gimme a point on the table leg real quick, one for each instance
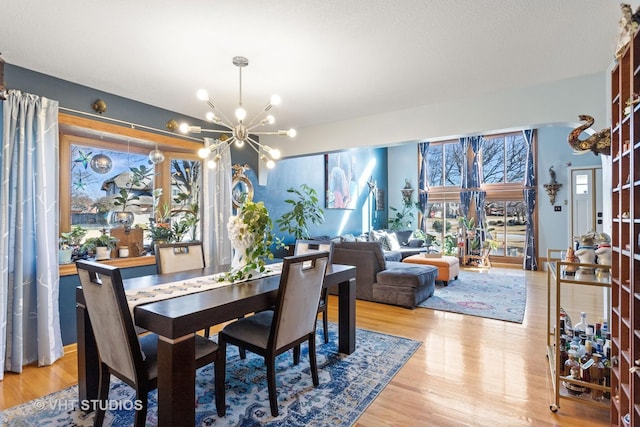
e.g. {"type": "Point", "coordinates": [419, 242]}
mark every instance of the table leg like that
{"type": "Point", "coordinates": [176, 381]}
{"type": "Point", "coordinates": [347, 317]}
{"type": "Point", "coordinates": [87, 354]}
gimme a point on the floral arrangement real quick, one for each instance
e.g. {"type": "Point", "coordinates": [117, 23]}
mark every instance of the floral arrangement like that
{"type": "Point", "coordinates": [251, 236]}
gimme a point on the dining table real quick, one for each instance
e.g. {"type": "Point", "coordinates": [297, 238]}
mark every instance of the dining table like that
{"type": "Point", "coordinates": [177, 320]}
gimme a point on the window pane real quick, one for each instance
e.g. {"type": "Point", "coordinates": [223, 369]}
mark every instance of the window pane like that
{"type": "Point", "coordinates": [104, 187]}
{"type": "Point", "coordinates": [506, 224]}
{"type": "Point", "coordinates": [493, 163]}
{"type": "Point", "coordinates": [434, 164]}
{"type": "Point", "coordinates": [453, 164]}
{"type": "Point", "coordinates": [185, 184]}
{"type": "Point", "coordinates": [516, 157]}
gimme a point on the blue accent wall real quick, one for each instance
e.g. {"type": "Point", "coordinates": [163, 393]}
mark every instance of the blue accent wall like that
{"type": "Point", "coordinates": [310, 170]}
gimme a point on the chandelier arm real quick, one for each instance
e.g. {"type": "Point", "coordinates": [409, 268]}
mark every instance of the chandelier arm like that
{"type": "Point", "coordinates": [230, 131]}
{"type": "Point", "coordinates": [259, 115]}
{"type": "Point", "coordinates": [263, 147]}
{"type": "Point", "coordinates": [223, 120]}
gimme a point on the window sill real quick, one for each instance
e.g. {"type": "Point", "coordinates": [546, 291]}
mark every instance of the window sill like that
{"type": "Point", "coordinates": [70, 269]}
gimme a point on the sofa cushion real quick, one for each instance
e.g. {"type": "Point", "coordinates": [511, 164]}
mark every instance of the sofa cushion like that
{"type": "Point", "coordinates": [348, 238]}
{"type": "Point", "coordinates": [375, 247]}
{"type": "Point", "coordinates": [415, 243]}
{"type": "Point", "coordinates": [403, 236]}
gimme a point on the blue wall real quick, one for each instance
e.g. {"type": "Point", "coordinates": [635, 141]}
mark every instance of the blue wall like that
{"type": "Point", "coordinates": [310, 170]}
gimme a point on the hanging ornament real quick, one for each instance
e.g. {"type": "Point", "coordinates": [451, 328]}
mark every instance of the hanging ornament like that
{"type": "Point", "coordinates": [156, 156]}
{"type": "Point", "coordinates": [83, 158]}
{"type": "Point", "coordinates": [101, 163]}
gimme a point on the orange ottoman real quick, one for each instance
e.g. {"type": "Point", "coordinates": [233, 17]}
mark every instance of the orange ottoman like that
{"type": "Point", "coordinates": [448, 266]}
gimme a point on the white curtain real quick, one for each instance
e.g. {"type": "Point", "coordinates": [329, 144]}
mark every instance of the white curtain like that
{"type": "Point", "coordinates": [216, 199]}
{"type": "Point", "coordinates": [29, 227]}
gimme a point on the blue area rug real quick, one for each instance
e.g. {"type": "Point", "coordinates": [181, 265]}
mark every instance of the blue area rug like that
{"type": "Point", "coordinates": [493, 294]}
{"type": "Point", "coordinates": [348, 385]}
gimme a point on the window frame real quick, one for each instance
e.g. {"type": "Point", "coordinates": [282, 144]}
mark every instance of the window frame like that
{"type": "Point", "coordinates": [75, 130]}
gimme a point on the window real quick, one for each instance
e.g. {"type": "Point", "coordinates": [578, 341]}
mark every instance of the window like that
{"type": "Point", "coordinates": [582, 184]}
{"type": "Point", "coordinates": [503, 162]}
{"type": "Point", "coordinates": [445, 164]}
{"type": "Point", "coordinates": [504, 159]}
{"type": "Point", "coordinates": [108, 180]}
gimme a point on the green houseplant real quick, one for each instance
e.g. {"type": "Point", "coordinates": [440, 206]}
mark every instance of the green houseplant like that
{"type": "Point", "coordinates": [305, 210]}
{"type": "Point", "coordinates": [104, 241]}
{"type": "Point", "coordinates": [69, 242]}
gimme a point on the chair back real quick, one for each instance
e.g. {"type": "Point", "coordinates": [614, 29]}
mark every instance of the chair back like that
{"type": "Point", "coordinates": [106, 303]}
{"type": "Point", "coordinates": [310, 246]}
{"type": "Point", "coordinates": [298, 297]}
{"type": "Point", "coordinates": [172, 257]}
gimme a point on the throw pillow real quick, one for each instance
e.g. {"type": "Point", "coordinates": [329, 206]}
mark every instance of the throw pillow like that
{"type": "Point", "coordinates": [392, 242]}
{"type": "Point", "coordinates": [348, 238]}
{"type": "Point", "coordinates": [376, 236]}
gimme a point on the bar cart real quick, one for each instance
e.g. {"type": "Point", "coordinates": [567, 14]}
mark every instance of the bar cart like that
{"type": "Point", "coordinates": [584, 292]}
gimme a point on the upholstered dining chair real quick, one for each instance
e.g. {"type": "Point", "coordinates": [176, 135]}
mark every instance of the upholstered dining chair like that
{"type": "Point", "coordinates": [291, 322]}
{"type": "Point", "coordinates": [172, 257]}
{"type": "Point", "coordinates": [309, 246]}
{"type": "Point", "coordinates": [175, 257]}
{"type": "Point", "coordinates": [124, 354]}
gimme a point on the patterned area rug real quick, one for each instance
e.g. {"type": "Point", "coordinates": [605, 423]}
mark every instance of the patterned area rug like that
{"type": "Point", "coordinates": [348, 385]}
{"type": "Point", "coordinates": [494, 294]}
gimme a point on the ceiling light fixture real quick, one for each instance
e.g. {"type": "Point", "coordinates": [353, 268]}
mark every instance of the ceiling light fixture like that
{"type": "Point", "coordinates": [242, 131]}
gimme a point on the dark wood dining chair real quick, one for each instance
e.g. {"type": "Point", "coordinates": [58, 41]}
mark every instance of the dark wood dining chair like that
{"type": "Point", "coordinates": [309, 246]}
{"type": "Point", "coordinates": [291, 322]}
{"type": "Point", "coordinates": [173, 257]}
{"type": "Point", "coordinates": [124, 354]}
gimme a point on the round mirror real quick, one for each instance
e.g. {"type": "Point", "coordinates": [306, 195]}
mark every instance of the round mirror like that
{"type": "Point", "coordinates": [241, 187]}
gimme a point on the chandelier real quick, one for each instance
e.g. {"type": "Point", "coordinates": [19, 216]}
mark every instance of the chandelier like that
{"type": "Point", "coordinates": [241, 132]}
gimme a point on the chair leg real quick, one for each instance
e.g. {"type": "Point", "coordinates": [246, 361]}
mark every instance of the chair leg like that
{"type": "Point", "coordinates": [271, 385]}
{"type": "Point", "coordinates": [243, 353]}
{"type": "Point", "coordinates": [312, 359]}
{"type": "Point", "coordinates": [207, 332]}
{"type": "Point", "coordinates": [103, 395]}
{"type": "Point", "coordinates": [141, 414]}
{"type": "Point", "coordinates": [296, 354]}
{"type": "Point", "coordinates": [220, 367]}
{"type": "Point", "coordinates": [325, 326]}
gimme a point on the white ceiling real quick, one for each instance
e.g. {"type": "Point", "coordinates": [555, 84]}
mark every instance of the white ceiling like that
{"type": "Point", "coordinates": [329, 60]}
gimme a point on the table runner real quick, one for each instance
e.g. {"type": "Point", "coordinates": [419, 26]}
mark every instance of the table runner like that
{"type": "Point", "coordinates": [178, 288]}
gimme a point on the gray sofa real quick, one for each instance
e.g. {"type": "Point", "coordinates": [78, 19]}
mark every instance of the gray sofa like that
{"type": "Point", "coordinates": [380, 280]}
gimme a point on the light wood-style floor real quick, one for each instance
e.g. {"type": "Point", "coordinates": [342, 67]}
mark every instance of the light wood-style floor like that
{"type": "Point", "coordinates": [469, 370]}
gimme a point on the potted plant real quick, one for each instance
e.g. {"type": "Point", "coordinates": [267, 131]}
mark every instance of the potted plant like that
{"type": "Point", "coordinates": [70, 243]}
{"type": "Point", "coordinates": [305, 210]}
{"type": "Point", "coordinates": [64, 250]}
{"type": "Point", "coordinates": [100, 246]}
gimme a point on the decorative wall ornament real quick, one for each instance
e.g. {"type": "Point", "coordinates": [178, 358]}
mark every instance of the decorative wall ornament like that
{"type": "Point", "coordinates": [552, 187]}
{"type": "Point", "coordinates": [598, 143]}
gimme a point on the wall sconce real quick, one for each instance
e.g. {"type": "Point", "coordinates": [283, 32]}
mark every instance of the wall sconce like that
{"type": "Point", "coordinates": [552, 187]}
{"type": "Point", "coordinates": [99, 106]}
{"type": "Point", "coordinates": [172, 125]}
{"type": "Point", "coordinates": [407, 193]}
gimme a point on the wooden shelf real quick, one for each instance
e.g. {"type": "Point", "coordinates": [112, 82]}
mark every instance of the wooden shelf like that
{"type": "Point", "coordinates": [625, 292]}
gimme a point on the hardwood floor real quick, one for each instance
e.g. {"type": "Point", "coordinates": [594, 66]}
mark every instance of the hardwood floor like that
{"type": "Point", "coordinates": [469, 371]}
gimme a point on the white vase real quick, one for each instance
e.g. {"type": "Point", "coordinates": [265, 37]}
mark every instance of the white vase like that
{"type": "Point", "coordinates": [102, 252]}
{"type": "Point", "coordinates": [239, 259]}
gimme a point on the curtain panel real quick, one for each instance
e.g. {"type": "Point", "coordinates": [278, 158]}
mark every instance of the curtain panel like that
{"type": "Point", "coordinates": [29, 227]}
{"type": "Point", "coordinates": [423, 184]}
{"type": "Point", "coordinates": [530, 261]}
{"type": "Point", "coordinates": [216, 195]}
